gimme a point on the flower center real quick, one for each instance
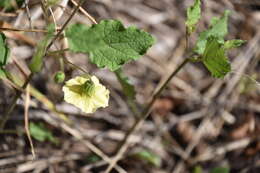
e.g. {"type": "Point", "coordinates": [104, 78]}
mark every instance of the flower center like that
{"type": "Point", "coordinates": [88, 87]}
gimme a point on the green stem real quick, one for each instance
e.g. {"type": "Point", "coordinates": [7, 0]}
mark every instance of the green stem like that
{"type": "Point", "coordinates": [64, 59]}
{"type": "Point", "coordinates": [50, 53]}
{"type": "Point", "coordinates": [61, 64]}
{"type": "Point", "coordinates": [187, 40]}
{"type": "Point", "coordinates": [133, 106]}
{"type": "Point", "coordinates": [146, 112]}
{"type": "Point", "coordinates": [130, 96]}
{"type": "Point", "coordinates": [74, 65]}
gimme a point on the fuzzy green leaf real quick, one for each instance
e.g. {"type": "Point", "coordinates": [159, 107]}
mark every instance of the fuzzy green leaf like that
{"type": "Point", "coordinates": [218, 28]}
{"type": "Point", "coordinates": [193, 16]}
{"type": "Point", "coordinates": [214, 58]}
{"type": "Point", "coordinates": [41, 133]}
{"type": "Point", "coordinates": [128, 88]}
{"type": "Point", "coordinates": [4, 50]}
{"type": "Point", "coordinates": [233, 44]}
{"type": "Point", "coordinates": [37, 60]}
{"type": "Point", "coordinates": [109, 43]}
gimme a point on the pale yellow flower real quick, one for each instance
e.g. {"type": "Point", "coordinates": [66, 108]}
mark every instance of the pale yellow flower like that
{"type": "Point", "coordinates": [86, 93]}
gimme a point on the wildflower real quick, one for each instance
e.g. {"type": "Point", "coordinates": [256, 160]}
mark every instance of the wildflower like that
{"type": "Point", "coordinates": [86, 93]}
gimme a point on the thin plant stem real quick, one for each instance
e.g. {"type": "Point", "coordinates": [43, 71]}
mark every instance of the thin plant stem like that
{"type": "Point", "coordinates": [85, 12]}
{"type": "Point", "coordinates": [65, 60]}
{"type": "Point", "coordinates": [130, 100]}
{"type": "Point", "coordinates": [57, 51]}
{"type": "Point", "coordinates": [74, 65]}
{"type": "Point", "coordinates": [44, 11]}
{"type": "Point", "coordinates": [61, 64]}
{"type": "Point", "coordinates": [133, 106]}
{"type": "Point", "coordinates": [22, 30]}
{"type": "Point", "coordinates": [65, 24]}
{"type": "Point", "coordinates": [26, 2]}
{"type": "Point", "coordinates": [12, 84]}
{"type": "Point", "coordinates": [146, 112]}
{"type": "Point", "coordinates": [19, 66]}
{"type": "Point", "coordinates": [187, 40]}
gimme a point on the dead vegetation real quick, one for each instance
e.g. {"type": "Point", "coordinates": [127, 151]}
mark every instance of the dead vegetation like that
{"type": "Point", "coordinates": [197, 120]}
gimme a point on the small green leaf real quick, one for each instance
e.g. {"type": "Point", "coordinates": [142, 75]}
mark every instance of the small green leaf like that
{"type": "Point", "coordinates": [148, 156]}
{"type": "Point", "coordinates": [218, 29]}
{"type": "Point", "coordinates": [37, 60]}
{"type": "Point", "coordinates": [214, 58]}
{"type": "Point", "coordinates": [197, 169]}
{"type": "Point", "coordinates": [109, 43]}
{"type": "Point", "coordinates": [59, 77]}
{"type": "Point", "coordinates": [220, 170]}
{"type": "Point", "coordinates": [233, 44]}
{"type": "Point", "coordinates": [193, 16]}
{"type": "Point", "coordinates": [128, 88]}
{"type": "Point", "coordinates": [4, 50]}
{"type": "Point", "coordinates": [41, 133]}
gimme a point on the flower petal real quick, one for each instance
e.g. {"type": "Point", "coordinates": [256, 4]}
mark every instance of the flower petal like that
{"type": "Point", "coordinates": [87, 103]}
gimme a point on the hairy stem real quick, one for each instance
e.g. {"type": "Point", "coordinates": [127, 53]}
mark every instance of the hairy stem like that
{"type": "Point", "coordinates": [146, 112]}
{"type": "Point", "coordinates": [57, 52]}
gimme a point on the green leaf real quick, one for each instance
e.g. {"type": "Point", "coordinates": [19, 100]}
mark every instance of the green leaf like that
{"type": "Point", "coordinates": [220, 170]}
{"type": "Point", "coordinates": [193, 16]}
{"type": "Point", "coordinates": [41, 133]}
{"type": "Point", "coordinates": [148, 156]}
{"type": "Point", "coordinates": [109, 43]}
{"type": "Point", "coordinates": [37, 60]}
{"type": "Point", "coordinates": [218, 28]}
{"type": "Point", "coordinates": [233, 44]}
{"type": "Point", "coordinates": [4, 50]}
{"type": "Point", "coordinates": [214, 58]}
{"type": "Point", "coordinates": [197, 169]}
{"type": "Point", "coordinates": [128, 88]}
